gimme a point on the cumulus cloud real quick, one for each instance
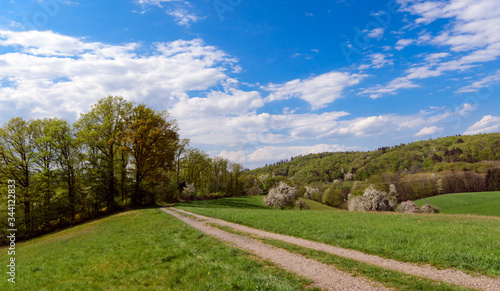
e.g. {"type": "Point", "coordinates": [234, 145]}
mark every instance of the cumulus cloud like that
{"type": "Point", "coordinates": [487, 124]}
{"type": "Point", "coordinates": [429, 131]}
{"type": "Point", "coordinates": [276, 153]}
{"type": "Point", "coordinates": [318, 91]}
{"type": "Point", "coordinates": [50, 72]}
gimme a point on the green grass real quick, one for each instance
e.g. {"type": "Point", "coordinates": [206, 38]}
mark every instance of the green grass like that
{"type": "Point", "coordinates": [318, 206]}
{"type": "Point", "coordinates": [471, 244]}
{"type": "Point", "coordinates": [481, 203]}
{"type": "Point", "coordinates": [388, 278]}
{"type": "Point", "coordinates": [138, 250]}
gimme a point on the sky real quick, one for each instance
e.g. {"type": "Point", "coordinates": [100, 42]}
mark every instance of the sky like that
{"type": "Point", "coordinates": [261, 81]}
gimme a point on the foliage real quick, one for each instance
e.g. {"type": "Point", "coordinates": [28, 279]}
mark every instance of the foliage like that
{"type": "Point", "coordinates": [302, 205]}
{"type": "Point", "coordinates": [333, 197]}
{"type": "Point", "coordinates": [427, 208]}
{"type": "Point", "coordinates": [282, 196]}
{"type": "Point", "coordinates": [408, 207]}
{"type": "Point", "coordinates": [371, 200]}
{"type": "Point", "coordinates": [493, 180]}
{"type": "Point", "coordinates": [473, 153]}
{"type": "Point", "coordinates": [117, 155]}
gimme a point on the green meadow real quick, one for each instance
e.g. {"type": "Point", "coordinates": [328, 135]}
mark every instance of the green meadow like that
{"type": "Point", "coordinates": [139, 250]}
{"type": "Point", "coordinates": [479, 203]}
{"type": "Point", "coordinates": [467, 243]}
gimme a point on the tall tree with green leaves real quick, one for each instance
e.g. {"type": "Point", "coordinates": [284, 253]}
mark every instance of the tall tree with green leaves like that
{"type": "Point", "coordinates": [152, 141]}
{"type": "Point", "coordinates": [98, 130]}
{"type": "Point", "coordinates": [18, 158]}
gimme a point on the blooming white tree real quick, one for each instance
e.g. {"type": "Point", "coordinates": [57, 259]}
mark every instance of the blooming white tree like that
{"type": "Point", "coordinates": [282, 196]}
{"type": "Point", "coordinates": [371, 200]}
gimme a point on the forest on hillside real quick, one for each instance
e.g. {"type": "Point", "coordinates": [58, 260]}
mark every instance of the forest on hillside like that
{"type": "Point", "coordinates": [417, 170]}
{"type": "Point", "coordinates": [116, 156]}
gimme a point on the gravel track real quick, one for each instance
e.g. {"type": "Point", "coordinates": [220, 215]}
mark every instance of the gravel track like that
{"type": "Point", "coordinates": [446, 275]}
{"type": "Point", "coordinates": [323, 275]}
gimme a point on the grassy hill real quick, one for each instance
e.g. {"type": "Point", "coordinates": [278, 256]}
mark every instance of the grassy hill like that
{"type": "Point", "coordinates": [482, 203]}
{"type": "Point", "coordinates": [137, 250]}
{"type": "Point", "coordinates": [477, 152]}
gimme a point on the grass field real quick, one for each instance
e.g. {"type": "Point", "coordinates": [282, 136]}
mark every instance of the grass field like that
{"type": "Point", "coordinates": [481, 203]}
{"type": "Point", "coordinates": [467, 243]}
{"type": "Point", "coordinates": [138, 250]}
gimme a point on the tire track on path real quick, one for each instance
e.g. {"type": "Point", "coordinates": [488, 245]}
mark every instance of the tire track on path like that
{"type": "Point", "coordinates": [446, 275]}
{"type": "Point", "coordinates": [323, 275]}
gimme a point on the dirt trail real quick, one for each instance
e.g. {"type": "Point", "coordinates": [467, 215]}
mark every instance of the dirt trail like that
{"type": "Point", "coordinates": [323, 275]}
{"type": "Point", "coordinates": [445, 275]}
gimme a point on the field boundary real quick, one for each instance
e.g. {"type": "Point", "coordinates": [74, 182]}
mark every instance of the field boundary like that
{"type": "Point", "coordinates": [446, 275]}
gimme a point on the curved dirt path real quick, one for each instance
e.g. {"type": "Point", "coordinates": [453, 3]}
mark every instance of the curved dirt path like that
{"type": "Point", "coordinates": [323, 275]}
{"type": "Point", "coordinates": [445, 275]}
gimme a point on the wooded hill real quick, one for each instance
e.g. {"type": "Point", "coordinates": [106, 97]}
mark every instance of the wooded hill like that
{"type": "Point", "coordinates": [476, 153]}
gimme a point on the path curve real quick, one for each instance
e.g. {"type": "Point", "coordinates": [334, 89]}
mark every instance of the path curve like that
{"type": "Point", "coordinates": [323, 275]}
{"type": "Point", "coordinates": [446, 275]}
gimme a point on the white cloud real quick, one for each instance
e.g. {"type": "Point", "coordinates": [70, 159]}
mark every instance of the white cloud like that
{"type": "Point", "coordinates": [60, 74]}
{"type": "Point", "coordinates": [378, 60]}
{"type": "Point", "coordinates": [153, 2]}
{"type": "Point", "coordinates": [183, 17]}
{"type": "Point", "coordinates": [486, 81]}
{"type": "Point", "coordinates": [233, 102]}
{"type": "Point", "coordinates": [487, 124]}
{"type": "Point", "coordinates": [375, 33]}
{"type": "Point", "coordinates": [402, 43]}
{"type": "Point", "coordinates": [318, 91]}
{"type": "Point", "coordinates": [389, 88]}
{"type": "Point", "coordinates": [276, 153]}
{"type": "Point", "coordinates": [429, 131]}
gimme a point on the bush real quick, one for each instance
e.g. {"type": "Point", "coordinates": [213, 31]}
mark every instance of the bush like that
{"type": "Point", "coordinates": [372, 200]}
{"type": "Point", "coordinates": [188, 192]}
{"type": "Point", "coordinates": [429, 208]}
{"type": "Point", "coordinates": [333, 197]}
{"type": "Point", "coordinates": [282, 196]}
{"type": "Point", "coordinates": [408, 207]}
{"type": "Point", "coordinates": [254, 190]}
{"type": "Point", "coordinates": [302, 205]}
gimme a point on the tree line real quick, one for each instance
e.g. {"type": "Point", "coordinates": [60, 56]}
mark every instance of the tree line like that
{"type": "Point", "coordinates": [117, 155]}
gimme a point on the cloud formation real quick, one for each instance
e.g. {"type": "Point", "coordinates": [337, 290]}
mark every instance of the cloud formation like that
{"type": "Point", "coordinates": [318, 91]}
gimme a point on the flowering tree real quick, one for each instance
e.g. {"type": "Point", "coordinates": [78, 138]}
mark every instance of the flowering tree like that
{"type": "Point", "coordinates": [282, 196]}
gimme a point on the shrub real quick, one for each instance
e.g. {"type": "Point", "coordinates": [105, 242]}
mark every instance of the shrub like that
{"type": "Point", "coordinates": [429, 208]}
{"type": "Point", "coordinates": [254, 190]}
{"type": "Point", "coordinates": [371, 200]}
{"type": "Point", "coordinates": [408, 207]}
{"type": "Point", "coordinates": [282, 196]}
{"type": "Point", "coordinates": [332, 197]}
{"type": "Point", "coordinates": [302, 205]}
{"type": "Point", "coordinates": [189, 191]}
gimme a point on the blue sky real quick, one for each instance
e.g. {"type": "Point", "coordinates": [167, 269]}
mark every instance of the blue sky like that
{"type": "Point", "coordinates": [259, 81]}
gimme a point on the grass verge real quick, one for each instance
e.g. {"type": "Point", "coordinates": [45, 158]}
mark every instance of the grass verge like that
{"type": "Point", "coordinates": [471, 244]}
{"type": "Point", "coordinates": [140, 250]}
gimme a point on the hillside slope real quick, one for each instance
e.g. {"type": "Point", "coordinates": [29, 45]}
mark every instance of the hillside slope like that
{"type": "Point", "coordinates": [137, 250]}
{"type": "Point", "coordinates": [481, 203]}
{"type": "Point", "coordinates": [463, 153]}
